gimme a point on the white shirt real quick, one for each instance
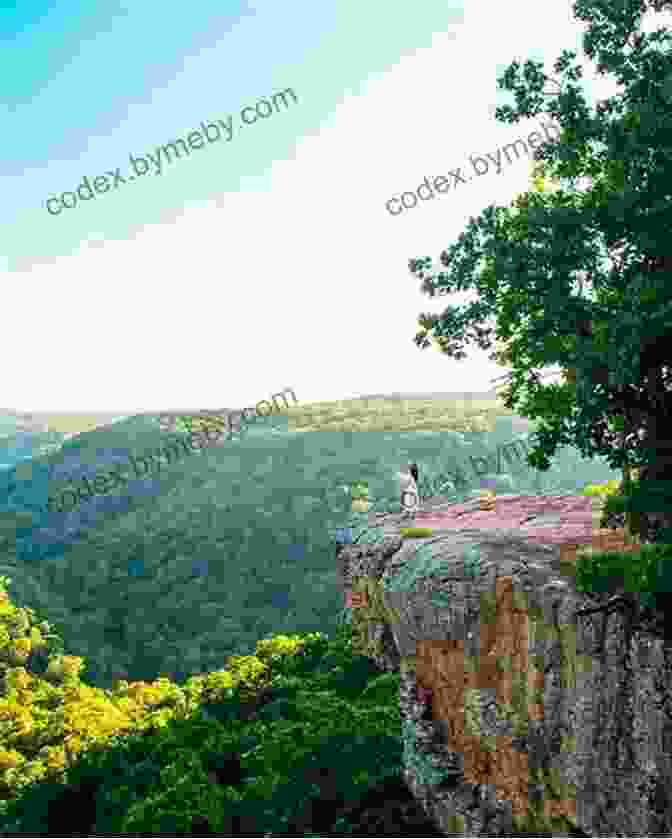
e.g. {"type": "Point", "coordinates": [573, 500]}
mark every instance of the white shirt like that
{"type": "Point", "coordinates": [408, 492]}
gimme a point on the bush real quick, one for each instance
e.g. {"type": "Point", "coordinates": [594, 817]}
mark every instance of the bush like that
{"type": "Point", "coordinates": [606, 490]}
{"type": "Point", "coordinates": [633, 499]}
{"type": "Point", "coordinates": [415, 532]}
{"type": "Point", "coordinates": [383, 690]}
{"type": "Point", "coordinates": [647, 572]}
{"type": "Point", "coordinates": [624, 500]}
{"type": "Point", "coordinates": [648, 496]}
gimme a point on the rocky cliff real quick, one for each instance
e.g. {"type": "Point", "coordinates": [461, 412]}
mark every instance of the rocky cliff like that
{"type": "Point", "coordinates": [528, 707]}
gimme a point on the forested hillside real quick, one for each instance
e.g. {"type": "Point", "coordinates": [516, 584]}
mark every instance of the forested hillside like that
{"type": "Point", "coordinates": [204, 556]}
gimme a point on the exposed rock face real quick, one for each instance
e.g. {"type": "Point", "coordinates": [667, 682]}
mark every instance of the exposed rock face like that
{"type": "Point", "coordinates": [525, 711]}
{"type": "Point", "coordinates": [359, 569]}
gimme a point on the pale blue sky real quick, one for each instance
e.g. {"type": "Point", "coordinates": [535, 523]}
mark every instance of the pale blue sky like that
{"type": "Point", "coordinates": [268, 261]}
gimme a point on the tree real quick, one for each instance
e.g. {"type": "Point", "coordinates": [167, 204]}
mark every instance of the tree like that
{"type": "Point", "coordinates": [582, 276]}
{"type": "Point", "coordinates": [542, 183]}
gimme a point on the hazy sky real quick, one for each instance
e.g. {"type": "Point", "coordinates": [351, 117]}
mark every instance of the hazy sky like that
{"type": "Point", "coordinates": [266, 261]}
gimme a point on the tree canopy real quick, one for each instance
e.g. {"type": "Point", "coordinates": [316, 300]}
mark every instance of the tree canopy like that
{"type": "Point", "coordinates": [580, 276]}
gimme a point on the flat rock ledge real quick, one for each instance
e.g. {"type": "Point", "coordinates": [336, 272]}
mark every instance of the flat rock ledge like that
{"type": "Point", "coordinates": [528, 708]}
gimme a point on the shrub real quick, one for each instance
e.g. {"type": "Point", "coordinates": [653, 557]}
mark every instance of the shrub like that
{"type": "Point", "coordinates": [278, 646]}
{"type": "Point", "coordinates": [383, 690]}
{"type": "Point", "coordinates": [633, 499]}
{"type": "Point", "coordinates": [647, 572]}
{"type": "Point", "coordinates": [623, 500]}
{"type": "Point", "coordinates": [415, 532]}
{"type": "Point", "coordinates": [648, 496]}
{"type": "Point", "coordinates": [606, 490]}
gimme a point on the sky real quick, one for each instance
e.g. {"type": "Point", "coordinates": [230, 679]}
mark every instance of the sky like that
{"type": "Point", "coordinates": [263, 261]}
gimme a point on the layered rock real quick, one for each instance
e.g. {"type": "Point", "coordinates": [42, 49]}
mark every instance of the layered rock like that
{"type": "Point", "coordinates": [526, 705]}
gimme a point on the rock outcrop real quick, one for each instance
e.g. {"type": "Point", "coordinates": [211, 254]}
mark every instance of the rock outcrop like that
{"type": "Point", "coordinates": [527, 706]}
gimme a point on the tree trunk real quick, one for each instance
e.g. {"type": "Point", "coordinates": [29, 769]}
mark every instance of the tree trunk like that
{"type": "Point", "coordinates": [652, 522]}
{"type": "Point", "coordinates": [658, 465]}
{"type": "Point", "coordinates": [654, 412]}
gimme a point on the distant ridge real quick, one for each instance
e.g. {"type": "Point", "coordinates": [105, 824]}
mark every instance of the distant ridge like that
{"type": "Point", "coordinates": [65, 423]}
{"type": "Point", "coordinates": [464, 397]}
{"type": "Point", "coordinates": [24, 421]}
